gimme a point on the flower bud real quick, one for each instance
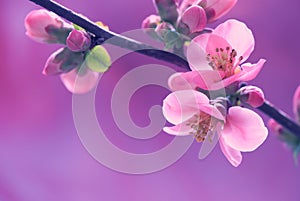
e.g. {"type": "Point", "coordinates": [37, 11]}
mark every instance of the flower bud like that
{"type": "Point", "coordinates": [296, 104]}
{"type": "Point", "coordinates": [78, 40]}
{"type": "Point", "coordinates": [192, 20]}
{"type": "Point", "coordinates": [252, 95]}
{"type": "Point", "coordinates": [151, 22]}
{"type": "Point", "coordinates": [62, 60]}
{"type": "Point", "coordinates": [46, 27]}
{"type": "Point", "coordinates": [167, 10]}
{"type": "Point", "coordinates": [275, 127]}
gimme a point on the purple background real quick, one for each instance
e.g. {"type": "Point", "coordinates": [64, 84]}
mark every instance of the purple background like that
{"type": "Point", "coordinates": [42, 158]}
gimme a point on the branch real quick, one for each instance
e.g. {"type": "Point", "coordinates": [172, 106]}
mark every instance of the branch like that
{"type": "Point", "coordinates": [118, 40]}
{"type": "Point", "coordinates": [131, 44]}
{"type": "Point", "coordinates": [279, 116]}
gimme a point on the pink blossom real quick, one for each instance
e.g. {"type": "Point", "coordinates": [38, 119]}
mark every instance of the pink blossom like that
{"type": "Point", "coordinates": [40, 25]}
{"type": "Point", "coordinates": [188, 110]}
{"type": "Point", "coordinates": [78, 40]}
{"type": "Point", "coordinates": [80, 82]}
{"type": "Point", "coordinates": [215, 59]}
{"type": "Point", "coordinates": [191, 112]}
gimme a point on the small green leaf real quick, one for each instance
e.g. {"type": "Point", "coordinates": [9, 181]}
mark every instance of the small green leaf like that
{"type": "Point", "coordinates": [98, 59]}
{"type": "Point", "coordinates": [77, 27]}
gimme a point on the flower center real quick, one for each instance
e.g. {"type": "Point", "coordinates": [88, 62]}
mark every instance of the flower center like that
{"type": "Point", "coordinates": [225, 61]}
{"type": "Point", "coordinates": [201, 125]}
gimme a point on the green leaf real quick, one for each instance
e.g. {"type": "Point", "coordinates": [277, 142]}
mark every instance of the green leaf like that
{"type": "Point", "coordinates": [77, 27]}
{"type": "Point", "coordinates": [98, 59]}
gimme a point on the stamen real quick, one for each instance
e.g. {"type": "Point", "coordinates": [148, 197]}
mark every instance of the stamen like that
{"type": "Point", "coordinates": [224, 61]}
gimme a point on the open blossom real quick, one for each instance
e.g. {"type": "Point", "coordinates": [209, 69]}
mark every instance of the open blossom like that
{"type": "Point", "coordinates": [46, 27]}
{"type": "Point", "coordinates": [216, 59]}
{"type": "Point", "coordinates": [192, 113]}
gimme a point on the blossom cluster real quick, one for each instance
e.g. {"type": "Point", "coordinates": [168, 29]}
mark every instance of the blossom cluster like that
{"type": "Point", "coordinates": [79, 62]}
{"type": "Point", "coordinates": [211, 102]}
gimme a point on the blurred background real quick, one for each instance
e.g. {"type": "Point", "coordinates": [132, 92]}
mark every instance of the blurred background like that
{"type": "Point", "coordinates": [42, 158]}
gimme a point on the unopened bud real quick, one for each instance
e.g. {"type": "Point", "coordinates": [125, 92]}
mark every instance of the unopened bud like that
{"type": "Point", "coordinates": [46, 27]}
{"type": "Point", "coordinates": [62, 60]}
{"type": "Point", "coordinates": [78, 41]}
{"type": "Point", "coordinates": [193, 20]}
{"type": "Point", "coordinates": [252, 95]}
{"type": "Point", "coordinates": [296, 104]}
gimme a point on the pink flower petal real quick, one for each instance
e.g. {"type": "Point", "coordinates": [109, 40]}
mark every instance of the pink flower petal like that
{"type": "Point", "coordinates": [207, 80]}
{"type": "Point", "coordinates": [244, 129]}
{"type": "Point", "coordinates": [250, 71]}
{"type": "Point", "coordinates": [215, 42]}
{"type": "Point", "coordinates": [196, 53]}
{"type": "Point", "coordinates": [181, 129]}
{"type": "Point", "coordinates": [233, 156]}
{"type": "Point", "coordinates": [296, 104]}
{"type": "Point", "coordinates": [238, 35]}
{"type": "Point", "coordinates": [80, 83]}
{"type": "Point", "coordinates": [219, 8]}
{"type": "Point", "coordinates": [180, 106]}
{"type": "Point", "coordinates": [195, 18]}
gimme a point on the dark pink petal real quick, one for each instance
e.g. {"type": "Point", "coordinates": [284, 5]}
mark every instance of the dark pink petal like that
{"type": "Point", "coordinates": [78, 41]}
{"type": "Point", "coordinates": [252, 95]}
{"type": "Point", "coordinates": [296, 104]}
{"type": "Point", "coordinates": [218, 8]}
{"type": "Point", "coordinates": [80, 83]}
{"type": "Point", "coordinates": [207, 80]}
{"type": "Point", "coordinates": [53, 65]}
{"type": "Point", "coordinates": [238, 35]}
{"type": "Point", "coordinates": [195, 18]}
{"type": "Point", "coordinates": [233, 156]}
{"type": "Point", "coordinates": [244, 129]}
{"type": "Point", "coordinates": [187, 3]}
{"type": "Point", "coordinates": [180, 106]}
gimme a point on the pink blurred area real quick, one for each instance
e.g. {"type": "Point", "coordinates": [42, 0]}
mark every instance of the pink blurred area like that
{"type": "Point", "coordinates": [42, 158]}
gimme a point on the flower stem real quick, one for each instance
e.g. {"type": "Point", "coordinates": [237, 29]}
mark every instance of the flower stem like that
{"type": "Point", "coordinates": [124, 42]}
{"type": "Point", "coordinates": [279, 116]}
{"type": "Point", "coordinates": [117, 39]}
